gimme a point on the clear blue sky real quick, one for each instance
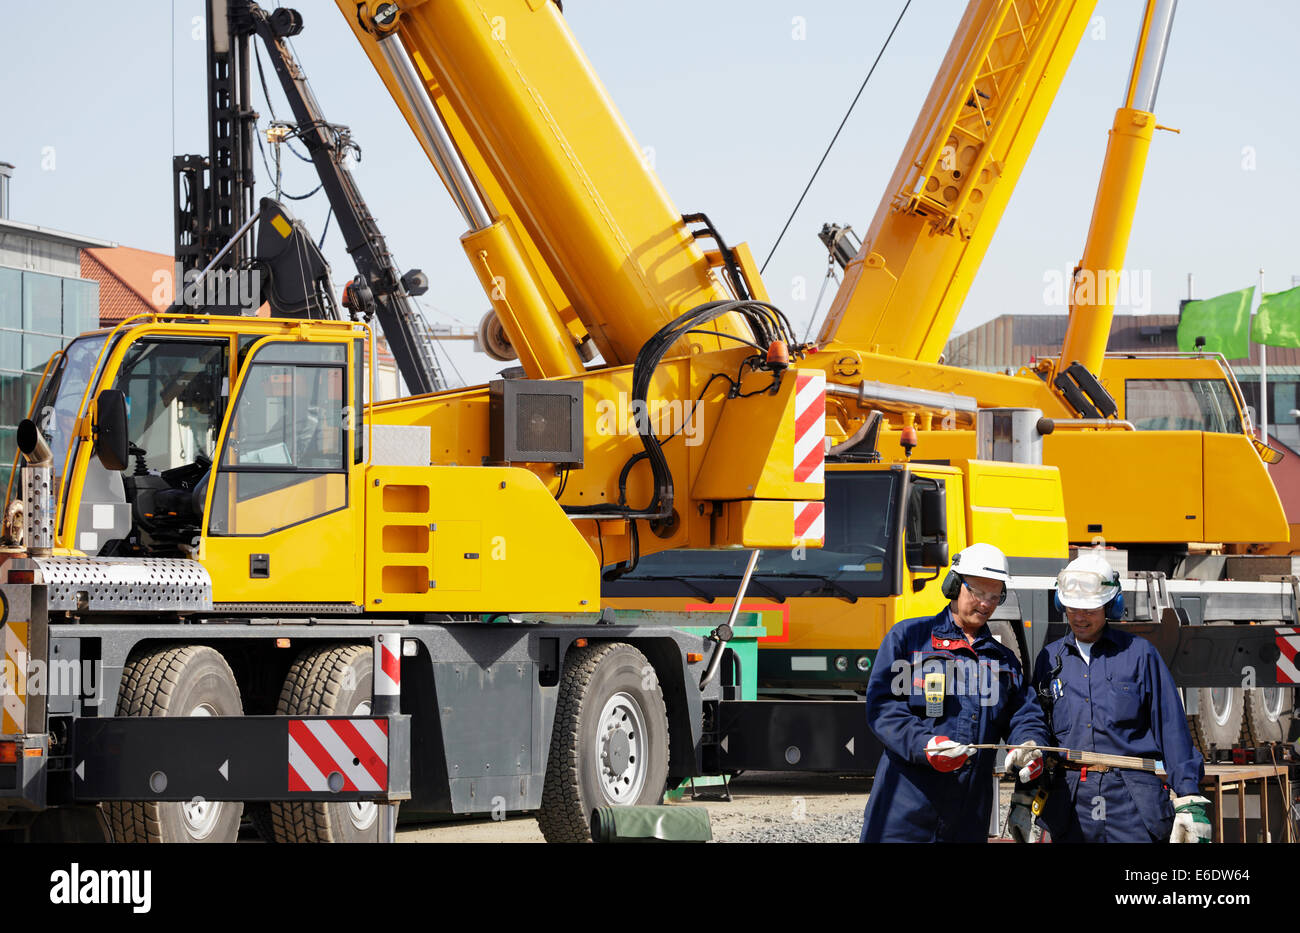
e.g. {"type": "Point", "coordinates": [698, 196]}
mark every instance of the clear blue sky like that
{"type": "Point", "coordinates": [737, 110]}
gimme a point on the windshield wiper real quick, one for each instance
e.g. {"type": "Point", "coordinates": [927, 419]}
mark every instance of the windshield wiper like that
{"type": "Point", "coordinates": [698, 591]}
{"type": "Point", "coordinates": [830, 584]}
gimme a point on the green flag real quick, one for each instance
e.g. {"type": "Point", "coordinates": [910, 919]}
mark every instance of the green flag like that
{"type": "Point", "coordinates": [1224, 323]}
{"type": "Point", "coordinates": [1278, 321]}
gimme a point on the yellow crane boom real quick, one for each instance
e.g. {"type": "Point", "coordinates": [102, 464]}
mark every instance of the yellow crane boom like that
{"type": "Point", "coordinates": [902, 292]}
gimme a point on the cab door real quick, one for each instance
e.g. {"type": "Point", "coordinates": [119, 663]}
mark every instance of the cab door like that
{"type": "Point", "coordinates": [284, 506]}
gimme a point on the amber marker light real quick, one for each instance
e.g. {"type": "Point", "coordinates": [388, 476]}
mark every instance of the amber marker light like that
{"type": "Point", "coordinates": [580, 643]}
{"type": "Point", "coordinates": [907, 440]}
{"type": "Point", "coordinates": [693, 657]}
{"type": "Point", "coordinates": [778, 355]}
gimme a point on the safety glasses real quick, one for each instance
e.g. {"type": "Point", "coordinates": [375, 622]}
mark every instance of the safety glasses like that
{"type": "Point", "coordinates": [981, 595]}
{"type": "Point", "coordinates": [1083, 584]}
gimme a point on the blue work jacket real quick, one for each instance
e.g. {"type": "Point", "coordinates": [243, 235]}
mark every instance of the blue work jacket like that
{"type": "Point", "coordinates": [1123, 703]}
{"type": "Point", "coordinates": [986, 699]}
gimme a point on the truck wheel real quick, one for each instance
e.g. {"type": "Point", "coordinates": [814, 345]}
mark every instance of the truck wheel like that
{"type": "Point", "coordinates": [609, 746]}
{"type": "Point", "coordinates": [1219, 717]}
{"type": "Point", "coordinates": [330, 681]}
{"type": "Point", "coordinates": [1005, 634]}
{"type": "Point", "coordinates": [190, 680]}
{"type": "Point", "coordinates": [1269, 711]}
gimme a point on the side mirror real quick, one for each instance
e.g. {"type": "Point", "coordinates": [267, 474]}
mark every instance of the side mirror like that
{"type": "Point", "coordinates": [934, 515]}
{"type": "Point", "coordinates": [111, 440]}
{"type": "Point", "coordinates": [934, 553]}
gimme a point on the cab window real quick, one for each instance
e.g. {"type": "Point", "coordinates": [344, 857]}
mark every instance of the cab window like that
{"type": "Point", "coordinates": [175, 397]}
{"type": "Point", "coordinates": [285, 458]}
{"type": "Point", "coordinates": [1181, 405]}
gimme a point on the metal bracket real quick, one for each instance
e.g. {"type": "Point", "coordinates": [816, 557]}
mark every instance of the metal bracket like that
{"type": "Point", "coordinates": [1157, 593]}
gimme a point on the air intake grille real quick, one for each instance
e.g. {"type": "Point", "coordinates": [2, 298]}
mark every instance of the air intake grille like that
{"type": "Point", "coordinates": [536, 421]}
{"type": "Point", "coordinates": [543, 422]}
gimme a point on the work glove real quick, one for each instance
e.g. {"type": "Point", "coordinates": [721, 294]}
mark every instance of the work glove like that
{"type": "Point", "coordinates": [1027, 760]}
{"type": "Point", "coordinates": [1191, 823]}
{"type": "Point", "coordinates": [946, 755]}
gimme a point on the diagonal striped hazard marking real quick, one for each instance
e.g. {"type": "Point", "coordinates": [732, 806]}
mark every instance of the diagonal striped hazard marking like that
{"type": "Point", "coordinates": [355, 750]}
{"type": "Point", "coordinates": [13, 670]}
{"type": "Point", "coordinates": [810, 427]}
{"type": "Point", "coordinates": [389, 678]}
{"type": "Point", "coordinates": [809, 521]}
{"type": "Point", "coordinates": [1288, 643]}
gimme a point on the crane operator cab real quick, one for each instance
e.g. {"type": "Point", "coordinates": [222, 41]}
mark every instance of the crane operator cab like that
{"type": "Point", "coordinates": [204, 438]}
{"type": "Point", "coordinates": [173, 395]}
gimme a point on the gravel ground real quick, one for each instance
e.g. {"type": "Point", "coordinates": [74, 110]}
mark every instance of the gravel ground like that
{"type": "Point", "coordinates": [765, 807]}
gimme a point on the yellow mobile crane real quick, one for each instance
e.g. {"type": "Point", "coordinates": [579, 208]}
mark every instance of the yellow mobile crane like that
{"type": "Point", "coordinates": [888, 394]}
{"type": "Point", "coordinates": [1160, 491]}
{"type": "Point", "coordinates": [895, 310]}
{"type": "Point", "coordinates": [219, 522]}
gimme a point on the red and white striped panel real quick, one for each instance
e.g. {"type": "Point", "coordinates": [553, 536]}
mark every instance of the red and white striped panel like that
{"type": "Point", "coordinates": [354, 751]}
{"type": "Point", "coordinates": [1288, 668]}
{"type": "Point", "coordinates": [13, 678]}
{"type": "Point", "coordinates": [810, 427]}
{"type": "Point", "coordinates": [388, 665]}
{"type": "Point", "coordinates": [810, 521]}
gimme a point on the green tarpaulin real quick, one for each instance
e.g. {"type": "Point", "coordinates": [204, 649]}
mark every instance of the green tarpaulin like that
{"type": "Point", "coordinates": [1278, 321]}
{"type": "Point", "coordinates": [1224, 322]}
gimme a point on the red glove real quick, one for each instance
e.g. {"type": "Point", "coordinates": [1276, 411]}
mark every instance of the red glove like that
{"type": "Point", "coordinates": [946, 755]}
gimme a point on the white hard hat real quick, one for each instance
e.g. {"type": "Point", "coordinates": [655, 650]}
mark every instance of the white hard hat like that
{"type": "Point", "coordinates": [1087, 582]}
{"type": "Point", "coordinates": [982, 560]}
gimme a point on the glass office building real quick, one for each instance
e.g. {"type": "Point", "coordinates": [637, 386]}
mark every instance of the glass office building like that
{"type": "Point", "coordinates": [44, 303]}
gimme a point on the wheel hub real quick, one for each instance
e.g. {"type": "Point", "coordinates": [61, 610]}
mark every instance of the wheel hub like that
{"type": "Point", "coordinates": [362, 813]}
{"type": "Point", "coordinates": [621, 739]}
{"type": "Point", "coordinates": [618, 752]}
{"type": "Point", "coordinates": [200, 816]}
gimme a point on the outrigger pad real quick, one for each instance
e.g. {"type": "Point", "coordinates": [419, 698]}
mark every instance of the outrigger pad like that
{"type": "Point", "coordinates": [650, 824]}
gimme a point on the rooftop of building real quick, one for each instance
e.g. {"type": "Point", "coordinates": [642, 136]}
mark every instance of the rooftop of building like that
{"type": "Point", "coordinates": [1013, 340]}
{"type": "Point", "coordinates": [49, 233]}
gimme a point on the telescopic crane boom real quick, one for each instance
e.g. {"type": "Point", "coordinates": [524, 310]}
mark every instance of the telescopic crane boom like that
{"type": "Point", "coordinates": [902, 292]}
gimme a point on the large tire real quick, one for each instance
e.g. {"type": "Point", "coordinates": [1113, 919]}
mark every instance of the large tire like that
{"type": "Point", "coordinates": [1269, 711]}
{"type": "Point", "coordinates": [335, 680]}
{"type": "Point", "coordinates": [1219, 719]}
{"type": "Point", "coordinates": [609, 746]}
{"type": "Point", "coordinates": [190, 680]}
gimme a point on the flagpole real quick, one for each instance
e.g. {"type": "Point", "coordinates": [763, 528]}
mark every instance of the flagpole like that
{"type": "Point", "coordinates": [1263, 373]}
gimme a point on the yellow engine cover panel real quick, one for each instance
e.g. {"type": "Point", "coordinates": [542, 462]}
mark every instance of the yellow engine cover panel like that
{"type": "Point", "coordinates": [472, 539]}
{"type": "Point", "coordinates": [1241, 502]}
{"type": "Point", "coordinates": [1130, 485]}
{"type": "Point", "coordinates": [1017, 507]}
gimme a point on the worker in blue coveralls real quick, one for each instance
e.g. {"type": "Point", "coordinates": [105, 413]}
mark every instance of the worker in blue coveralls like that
{"type": "Point", "coordinates": [1110, 692]}
{"type": "Point", "coordinates": [940, 685]}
